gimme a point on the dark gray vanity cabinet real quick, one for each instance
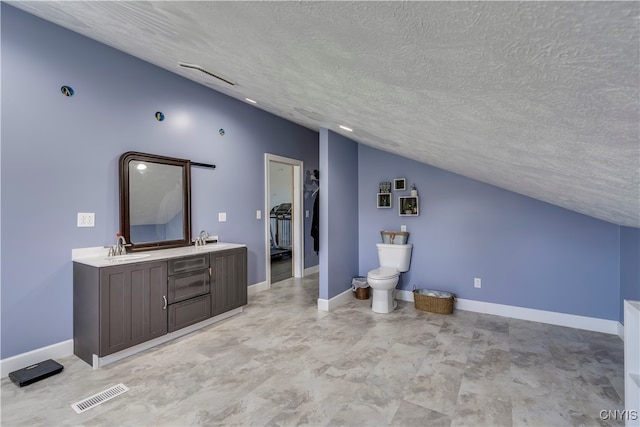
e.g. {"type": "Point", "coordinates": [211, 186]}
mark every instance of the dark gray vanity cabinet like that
{"type": "Point", "coordinates": [117, 307]}
{"type": "Point", "coordinates": [188, 292]}
{"type": "Point", "coordinates": [228, 280]}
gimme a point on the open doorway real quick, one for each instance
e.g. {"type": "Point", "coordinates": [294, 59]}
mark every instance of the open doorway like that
{"type": "Point", "coordinates": [280, 220]}
{"type": "Point", "coordinates": [284, 218]}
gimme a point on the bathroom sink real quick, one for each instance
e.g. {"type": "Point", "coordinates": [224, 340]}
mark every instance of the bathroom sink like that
{"type": "Point", "coordinates": [209, 246]}
{"type": "Point", "coordinates": [127, 257]}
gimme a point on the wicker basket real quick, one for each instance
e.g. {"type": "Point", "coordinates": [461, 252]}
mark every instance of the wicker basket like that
{"type": "Point", "coordinates": [433, 304]}
{"type": "Point", "coordinates": [362, 293]}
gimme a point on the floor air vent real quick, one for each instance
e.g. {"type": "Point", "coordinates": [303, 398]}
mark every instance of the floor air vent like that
{"type": "Point", "coordinates": [96, 399]}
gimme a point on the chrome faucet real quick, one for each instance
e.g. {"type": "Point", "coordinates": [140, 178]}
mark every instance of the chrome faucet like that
{"type": "Point", "coordinates": [120, 247]}
{"type": "Point", "coordinates": [202, 238]}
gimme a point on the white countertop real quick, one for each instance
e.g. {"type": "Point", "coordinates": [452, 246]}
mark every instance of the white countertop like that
{"type": "Point", "coordinates": [97, 256]}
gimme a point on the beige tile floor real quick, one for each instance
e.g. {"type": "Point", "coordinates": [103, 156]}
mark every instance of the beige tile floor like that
{"type": "Point", "coordinates": [282, 362]}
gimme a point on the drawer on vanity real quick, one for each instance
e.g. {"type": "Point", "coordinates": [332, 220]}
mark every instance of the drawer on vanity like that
{"type": "Point", "coordinates": [188, 285]}
{"type": "Point", "coordinates": [188, 278]}
{"type": "Point", "coordinates": [191, 263]}
{"type": "Point", "coordinates": [188, 312]}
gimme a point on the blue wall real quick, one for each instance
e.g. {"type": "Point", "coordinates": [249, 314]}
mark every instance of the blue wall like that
{"type": "Point", "coordinates": [528, 253]}
{"type": "Point", "coordinates": [60, 156]}
{"type": "Point", "coordinates": [338, 213]}
{"type": "Point", "coordinates": [629, 266]}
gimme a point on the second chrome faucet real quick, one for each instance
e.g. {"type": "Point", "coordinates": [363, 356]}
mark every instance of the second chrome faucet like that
{"type": "Point", "coordinates": [120, 248]}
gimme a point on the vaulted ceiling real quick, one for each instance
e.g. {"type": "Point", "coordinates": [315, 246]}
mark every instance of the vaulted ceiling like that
{"type": "Point", "coordinates": [540, 98]}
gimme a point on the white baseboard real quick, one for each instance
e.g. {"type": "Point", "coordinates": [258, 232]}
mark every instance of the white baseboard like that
{"type": "Point", "coordinates": [312, 270]}
{"type": "Point", "coordinates": [54, 351]}
{"type": "Point", "coordinates": [533, 315]}
{"type": "Point", "coordinates": [337, 301]}
{"type": "Point", "coordinates": [621, 331]}
{"type": "Point", "coordinates": [257, 287]}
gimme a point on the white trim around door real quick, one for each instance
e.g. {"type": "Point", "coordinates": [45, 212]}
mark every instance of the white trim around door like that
{"type": "Point", "coordinates": [297, 251]}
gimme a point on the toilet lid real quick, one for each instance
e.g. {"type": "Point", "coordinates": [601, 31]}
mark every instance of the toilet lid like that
{"type": "Point", "coordinates": [383, 273]}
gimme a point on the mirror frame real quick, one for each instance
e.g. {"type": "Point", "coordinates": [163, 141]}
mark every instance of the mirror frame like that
{"type": "Point", "coordinates": [125, 222]}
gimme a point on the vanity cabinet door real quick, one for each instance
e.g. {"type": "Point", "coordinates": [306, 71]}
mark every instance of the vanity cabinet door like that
{"type": "Point", "coordinates": [132, 305]}
{"type": "Point", "coordinates": [228, 280]}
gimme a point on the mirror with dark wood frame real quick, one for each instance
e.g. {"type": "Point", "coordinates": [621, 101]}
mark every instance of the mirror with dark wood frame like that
{"type": "Point", "coordinates": [155, 201]}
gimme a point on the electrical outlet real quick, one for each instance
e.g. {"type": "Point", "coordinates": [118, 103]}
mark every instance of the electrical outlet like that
{"type": "Point", "coordinates": [403, 228]}
{"type": "Point", "coordinates": [306, 213]}
{"type": "Point", "coordinates": [222, 217]}
{"type": "Point", "coordinates": [86, 219]}
{"type": "Point", "coordinates": [477, 282]}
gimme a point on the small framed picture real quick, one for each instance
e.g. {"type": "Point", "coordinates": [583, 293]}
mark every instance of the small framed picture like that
{"type": "Point", "coordinates": [384, 187]}
{"type": "Point", "coordinates": [399, 184]}
{"type": "Point", "coordinates": [408, 206]}
{"type": "Point", "coordinates": [384, 200]}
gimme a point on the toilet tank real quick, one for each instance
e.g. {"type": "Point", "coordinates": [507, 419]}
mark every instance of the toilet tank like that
{"type": "Point", "coordinates": [394, 256]}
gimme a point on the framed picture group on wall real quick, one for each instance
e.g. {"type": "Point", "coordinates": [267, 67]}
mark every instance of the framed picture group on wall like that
{"type": "Point", "coordinates": [407, 205]}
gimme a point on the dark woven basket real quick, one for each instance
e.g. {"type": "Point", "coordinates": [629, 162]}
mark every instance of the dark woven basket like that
{"type": "Point", "coordinates": [433, 304]}
{"type": "Point", "coordinates": [362, 293]}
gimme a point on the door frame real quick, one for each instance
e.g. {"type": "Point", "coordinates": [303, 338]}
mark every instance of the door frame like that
{"type": "Point", "coordinates": [297, 249]}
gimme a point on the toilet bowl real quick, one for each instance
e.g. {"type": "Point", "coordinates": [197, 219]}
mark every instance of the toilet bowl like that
{"type": "Point", "coordinates": [394, 259]}
{"type": "Point", "coordinates": [383, 281]}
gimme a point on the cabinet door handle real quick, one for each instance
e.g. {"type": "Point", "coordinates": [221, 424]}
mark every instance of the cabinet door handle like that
{"type": "Point", "coordinates": [210, 272]}
{"type": "Point", "coordinates": [165, 302]}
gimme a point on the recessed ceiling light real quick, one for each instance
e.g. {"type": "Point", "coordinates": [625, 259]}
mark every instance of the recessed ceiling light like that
{"type": "Point", "coordinates": [346, 128]}
{"type": "Point", "coordinates": [250, 100]}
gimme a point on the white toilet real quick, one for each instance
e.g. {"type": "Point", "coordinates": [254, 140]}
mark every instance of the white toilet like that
{"type": "Point", "coordinates": [394, 259]}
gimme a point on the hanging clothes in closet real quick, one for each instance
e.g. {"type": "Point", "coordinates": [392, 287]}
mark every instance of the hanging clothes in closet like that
{"type": "Point", "coordinates": [315, 221]}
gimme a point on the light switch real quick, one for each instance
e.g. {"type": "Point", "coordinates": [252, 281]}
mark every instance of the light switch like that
{"type": "Point", "coordinates": [258, 214]}
{"type": "Point", "coordinates": [222, 217]}
{"type": "Point", "coordinates": [86, 219]}
{"type": "Point", "coordinates": [306, 213]}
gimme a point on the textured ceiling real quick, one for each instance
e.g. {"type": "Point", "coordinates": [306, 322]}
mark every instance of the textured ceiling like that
{"type": "Point", "coordinates": [540, 98]}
